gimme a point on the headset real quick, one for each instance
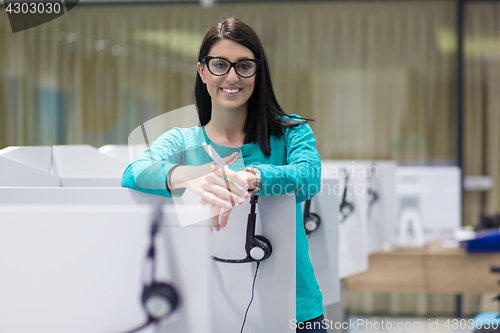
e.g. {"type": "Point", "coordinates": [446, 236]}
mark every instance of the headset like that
{"type": "Point", "coordinates": [372, 194]}
{"type": "Point", "coordinates": [158, 299]}
{"type": "Point", "coordinates": [312, 221]}
{"type": "Point", "coordinates": [346, 207]}
{"type": "Point", "coordinates": [257, 247]}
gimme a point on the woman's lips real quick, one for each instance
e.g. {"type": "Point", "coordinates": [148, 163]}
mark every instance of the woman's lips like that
{"type": "Point", "coordinates": [229, 91]}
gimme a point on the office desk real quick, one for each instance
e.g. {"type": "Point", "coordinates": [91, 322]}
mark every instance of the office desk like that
{"type": "Point", "coordinates": [430, 269]}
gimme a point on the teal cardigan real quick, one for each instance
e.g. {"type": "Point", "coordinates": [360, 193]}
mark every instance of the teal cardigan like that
{"type": "Point", "coordinates": [294, 165]}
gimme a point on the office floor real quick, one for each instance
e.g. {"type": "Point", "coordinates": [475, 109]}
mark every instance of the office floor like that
{"type": "Point", "coordinates": [363, 324]}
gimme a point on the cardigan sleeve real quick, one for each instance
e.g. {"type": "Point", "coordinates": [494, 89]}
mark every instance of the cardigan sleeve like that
{"type": "Point", "coordinates": [302, 173]}
{"type": "Point", "coordinates": [149, 172]}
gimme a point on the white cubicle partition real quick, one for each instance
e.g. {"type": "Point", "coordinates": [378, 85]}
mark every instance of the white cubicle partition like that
{"type": "Point", "coordinates": [100, 196]}
{"type": "Point", "coordinates": [381, 219]}
{"type": "Point", "coordinates": [433, 195]}
{"type": "Point", "coordinates": [79, 269]}
{"type": "Point", "coordinates": [125, 153]}
{"type": "Point", "coordinates": [273, 306]}
{"type": "Point", "coordinates": [324, 241]}
{"type": "Point", "coordinates": [77, 196]}
{"type": "Point", "coordinates": [67, 166]}
{"type": "Point", "coordinates": [27, 166]}
{"type": "Point", "coordinates": [36, 157]}
{"type": "Point", "coordinates": [353, 230]}
{"type": "Point", "coordinates": [275, 220]}
{"type": "Point", "coordinates": [85, 166]}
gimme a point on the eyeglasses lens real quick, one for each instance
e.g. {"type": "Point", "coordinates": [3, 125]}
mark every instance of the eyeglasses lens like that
{"type": "Point", "coordinates": [243, 68]}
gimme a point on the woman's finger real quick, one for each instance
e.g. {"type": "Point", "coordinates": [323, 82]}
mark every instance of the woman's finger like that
{"type": "Point", "coordinates": [222, 192]}
{"type": "Point", "coordinates": [224, 189]}
{"type": "Point", "coordinates": [202, 203]}
{"type": "Point", "coordinates": [236, 178]}
{"type": "Point", "coordinates": [231, 181]}
{"type": "Point", "coordinates": [210, 209]}
{"type": "Point", "coordinates": [224, 217]}
{"type": "Point", "coordinates": [213, 199]}
{"type": "Point", "coordinates": [215, 217]}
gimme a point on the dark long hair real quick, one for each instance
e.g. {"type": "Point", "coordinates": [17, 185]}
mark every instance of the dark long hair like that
{"type": "Point", "coordinates": [265, 116]}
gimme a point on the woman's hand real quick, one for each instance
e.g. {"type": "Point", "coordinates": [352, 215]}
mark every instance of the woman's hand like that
{"type": "Point", "coordinates": [250, 182]}
{"type": "Point", "coordinates": [218, 193]}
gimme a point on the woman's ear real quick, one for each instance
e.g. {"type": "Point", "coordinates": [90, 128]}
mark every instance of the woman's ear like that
{"type": "Point", "coordinates": [201, 71]}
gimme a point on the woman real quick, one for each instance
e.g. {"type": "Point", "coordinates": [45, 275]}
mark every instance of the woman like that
{"type": "Point", "coordinates": [238, 110]}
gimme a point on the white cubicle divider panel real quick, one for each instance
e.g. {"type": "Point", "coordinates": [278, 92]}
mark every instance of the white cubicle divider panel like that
{"type": "Point", "coordinates": [353, 229]}
{"type": "Point", "coordinates": [324, 241]}
{"type": "Point", "coordinates": [27, 166]}
{"type": "Point", "coordinates": [187, 213]}
{"type": "Point", "coordinates": [124, 153]}
{"type": "Point", "coordinates": [85, 166]}
{"type": "Point", "coordinates": [77, 196]}
{"type": "Point", "coordinates": [37, 157]}
{"type": "Point", "coordinates": [381, 202]}
{"type": "Point", "coordinates": [427, 198]}
{"type": "Point", "coordinates": [80, 269]}
{"type": "Point", "coordinates": [273, 305]}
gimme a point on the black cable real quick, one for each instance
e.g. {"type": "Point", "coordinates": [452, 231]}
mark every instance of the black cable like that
{"type": "Point", "coordinates": [155, 225]}
{"type": "Point", "coordinates": [141, 327]}
{"type": "Point", "coordinates": [253, 294]}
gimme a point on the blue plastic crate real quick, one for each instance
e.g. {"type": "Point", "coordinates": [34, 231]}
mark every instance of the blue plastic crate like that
{"type": "Point", "coordinates": [486, 242]}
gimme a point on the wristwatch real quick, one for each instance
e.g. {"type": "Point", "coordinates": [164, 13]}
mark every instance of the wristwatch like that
{"type": "Point", "coordinates": [257, 174]}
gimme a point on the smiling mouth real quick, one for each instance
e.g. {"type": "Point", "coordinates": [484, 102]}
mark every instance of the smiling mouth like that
{"type": "Point", "coordinates": [231, 91]}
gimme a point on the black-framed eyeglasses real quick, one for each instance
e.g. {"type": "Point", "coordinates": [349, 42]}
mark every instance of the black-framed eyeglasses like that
{"type": "Point", "coordinates": [219, 66]}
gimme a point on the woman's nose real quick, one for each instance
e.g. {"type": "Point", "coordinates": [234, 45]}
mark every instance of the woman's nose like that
{"type": "Point", "coordinates": [232, 76]}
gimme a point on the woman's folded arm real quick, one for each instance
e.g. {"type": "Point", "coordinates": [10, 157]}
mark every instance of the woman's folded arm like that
{"type": "Point", "coordinates": [302, 173]}
{"type": "Point", "coordinates": [150, 171]}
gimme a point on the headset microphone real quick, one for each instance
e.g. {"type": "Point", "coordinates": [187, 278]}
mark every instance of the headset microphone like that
{"type": "Point", "coordinates": [158, 299]}
{"type": "Point", "coordinates": [257, 247]}
{"type": "Point", "coordinates": [311, 220]}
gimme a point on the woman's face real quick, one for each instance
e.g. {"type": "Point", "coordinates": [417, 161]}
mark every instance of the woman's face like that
{"type": "Point", "coordinates": [230, 91]}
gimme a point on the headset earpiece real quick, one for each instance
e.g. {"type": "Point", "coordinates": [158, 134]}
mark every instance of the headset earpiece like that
{"type": "Point", "coordinates": [159, 300]}
{"type": "Point", "coordinates": [312, 223]}
{"type": "Point", "coordinates": [261, 250]}
{"type": "Point", "coordinates": [311, 220]}
{"type": "Point", "coordinates": [257, 247]}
